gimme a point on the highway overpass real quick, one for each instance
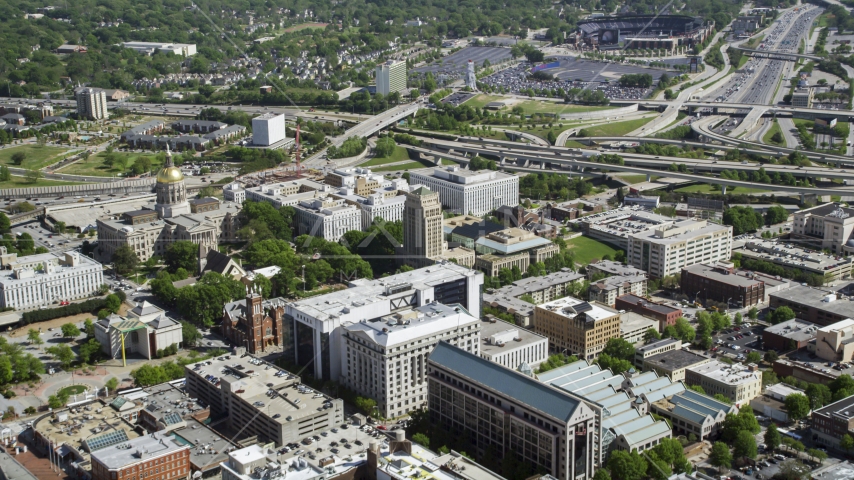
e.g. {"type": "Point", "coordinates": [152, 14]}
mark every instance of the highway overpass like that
{"type": "Point", "coordinates": [788, 55]}
{"type": "Point", "coordinates": [379, 122]}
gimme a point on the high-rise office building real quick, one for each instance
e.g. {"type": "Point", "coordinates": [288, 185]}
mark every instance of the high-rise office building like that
{"type": "Point", "coordinates": [268, 129]}
{"type": "Point", "coordinates": [422, 227]}
{"type": "Point", "coordinates": [391, 77]}
{"type": "Point", "coordinates": [92, 104]}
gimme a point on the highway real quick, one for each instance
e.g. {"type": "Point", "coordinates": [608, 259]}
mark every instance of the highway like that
{"type": "Point", "coordinates": [378, 122]}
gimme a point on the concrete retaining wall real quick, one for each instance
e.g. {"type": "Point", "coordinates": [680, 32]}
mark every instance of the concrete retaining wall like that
{"type": "Point", "coordinates": [600, 113]}
{"type": "Point", "coordinates": [131, 186]}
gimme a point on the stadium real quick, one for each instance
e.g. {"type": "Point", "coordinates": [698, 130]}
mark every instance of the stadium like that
{"type": "Point", "coordinates": [675, 33]}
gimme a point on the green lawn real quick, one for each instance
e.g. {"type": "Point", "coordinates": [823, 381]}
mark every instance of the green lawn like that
{"type": "Point", "coordinates": [445, 161]}
{"type": "Point", "coordinates": [616, 129]}
{"type": "Point", "coordinates": [801, 121]}
{"type": "Point", "coordinates": [404, 166]}
{"type": "Point", "coordinates": [775, 128]}
{"type": "Point", "coordinates": [575, 144]}
{"type": "Point", "coordinates": [94, 165]}
{"type": "Point", "coordinates": [636, 178]}
{"type": "Point", "coordinates": [587, 249]}
{"type": "Point", "coordinates": [535, 106]}
{"type": "Point", "coordinates": [37, 157]}
{"type": "Point", "coordinates": [303, 26]}
{"type": "Point", "coordinates": [21, 182]}
{"type": "Point", "coordinates": [73, 389]}
{"type": "Point", "coordinates": [706, 188]}
{"type": "Point", "coordinates": [400, 154]}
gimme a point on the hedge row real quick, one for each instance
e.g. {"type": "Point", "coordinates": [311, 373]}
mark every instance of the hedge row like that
{"type": "Point", "coordinates": [88, 306]}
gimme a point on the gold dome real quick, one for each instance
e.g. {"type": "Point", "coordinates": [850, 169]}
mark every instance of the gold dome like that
{"type": "Point", "coordinates": [170, 175]}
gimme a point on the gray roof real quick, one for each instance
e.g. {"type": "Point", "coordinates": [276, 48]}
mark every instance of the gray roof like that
{"type": "Point", "coordinates": [156, 444]}
{"type": "Point", "coordinates": [794, 329]}
{"type": "Point", "coordinates": [814, 297]}
{"type": "Point", "coordinates": [522, 388]}
{"type": "Point", "coordinates": [675, 360]}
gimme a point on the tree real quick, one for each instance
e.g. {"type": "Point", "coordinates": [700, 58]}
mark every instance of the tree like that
{"type": "Point", "coordinates": [818, 394]}
{"type": "Point", "coordinates": [34, 336]}
{"type": "Point", "coordinates": [366, 405]}
{"type": "Point", "coordinates": [89, 328]}
{"type": "Point", "coordinates": [5, 224]}
{"type": "Point", "coordinates": [651, 334]}
{"type": "Point", "coordinates": [112, 383]}
{"type": "Point", "coordinates": [775, 215]}
{"type": "Point", "coordinates": [744, 445]}
{"type": "Point", "coordinates": [190, 334]}
{"type": "Point", "coordinates": [89, 350]}
{"type": "Point", "coordinates": [33, 175]}
{"type": "Point", "coordinates": [619, 348]}
{"type": "Point", "coordinates": [797, 406]}
{"type": "Point", "coordinates": [817, 454]}
{"type": "Point", "coordinates": [19, 157]}
{"type": "Point", "coordinates": [753, 313]}
{"type": "Point", "coordinates": [182, 254]}
{"type": "Point", "coordinates": [385, 147]}
{"type": "Point", "coordinates": [601, 474]}
{"type": "Point", "coordinates": [421, 439]}
{"type": "Point", "coordinates": [772, 437]}
{"type": "Point", "coordinates": [627, 466]}
{"type": "Point", "coordinates": [69, 330]}
{"type": "Point", "coordinates": [148, 375]}
{"type": "Point", "coordinates": [754, 357]}
{"type": "Point", "coordinates": [738, 319]}
{"type": "Point", "coordinates": [62, 354]}
{"type": "Point", "coordinates": [720, 456]}
{"type": "Point", "coordinates": [846, 442]}
{"type": "Point", "coordinates": [124, 259]}
{"type": "Point", "coordinates": [112, 303]}
{"type": "Point", "coordinates": [744, 420]}
{"type": "Point", "coordinates": [780, 314]}
{"type": "Point", "coordinates": [771, 356]}
{"type": "Point", "coordinates": [5, 173]}
{"type": "Point", "coordinates": [697, 388]}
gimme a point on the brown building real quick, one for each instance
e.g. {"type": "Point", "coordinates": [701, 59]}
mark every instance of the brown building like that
{"type": "Point", "coordinates": [201, 205]}
{"type": "Point", "coordinates": [515, 216]}
{"type": "Point", "coordinates": [830, 423]}
{"type": "Point", "coordinates": [156, 456]}
{"type": "Point", "coordinates": [570, 210]}
{"type": "Point", "coordinates": [254, 323]}
{"type": "Point", "coordinates": [819, 306]}
{"type": "Point", "coordinates": [664, 314]}
{"type": "Point", "coordinates": [720, 282]}
{"type": "Point", "coordinates": [577, 327]}
{"type": "Point", "coordinates": [789, 335]}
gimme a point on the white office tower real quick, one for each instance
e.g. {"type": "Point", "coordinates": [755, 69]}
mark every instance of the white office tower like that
{"type": "Point", "coordinates": [391, 77]}
{"type": "Point", "coordinates": [92, 104]}
{"type": "Point", "coordinates": [471, 79]}
{"type": "Point", "coordinates": [268, 129]}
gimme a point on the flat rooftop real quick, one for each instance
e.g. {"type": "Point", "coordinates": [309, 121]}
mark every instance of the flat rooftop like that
{"type": "Point", "coordinates": [571, 307]}
{"type": "Point", "coordinates": [207, 448]}
{"type": "Point", "coordinates": [534, 284]}
{"type": "Point", "coordinates": [655, 307]}
{"type": "Point", "coordinates": [817, 298]}
{"type": "Point", "coordinates": [729, 374]}
{"type": "Point", "coordinates": [675, 360]}
{"type": "Point", "coordinates": [616, 268]}
{"type": "Point", "coordinates": [264, 385]}
{"type": "Point", "coordinates": [681, 231]}
{"type": "Point", "coordinates": [461, 176]}
{"type": "Point", "coordinates": [154, 444]}
{"type": "Point", "coordinates": [839, 471]}
{"type": "Point", "coordinates": [85, 214]}
{"type": "Point", "coordinates": [625, 222]}
{"type": "Point", "coordinates": [658, 344]}
{"type": "Point", "coordinates": [843, 409]}
{"type": "Point", "coordinates": [797, 330]}
{"type": "Point", "coordinates": [500, 330]}
{"type": "Point", "coordinates": [614, 282]}
{"type": "Point", "coordinates": [717, 274]}
{"type": "Point", "coordinates": [408, 325]}
{"type": "Point", "coordinates": [631, 322]}
{"type": "Point", "coordinates": [790, 255]}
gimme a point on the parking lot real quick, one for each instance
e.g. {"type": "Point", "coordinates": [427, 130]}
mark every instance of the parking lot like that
{"type": "Point", "coordinates": [342, 441]}
{"type": "Point", "coordinates": [737, 342]}
{"type": "Point", "coordinates": [455, 63]}
{"type": "Point", "coordinates": [457, 98]}
{"type": "Point", "coordinates": [572, 68]}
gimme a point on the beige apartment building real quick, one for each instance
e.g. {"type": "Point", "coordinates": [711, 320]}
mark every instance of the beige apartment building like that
{"type": "Point", "coordinates": [834, 342]}
{"type": "Point", "coordinates": [740, 383]}
{"type": "Point", "coordinates": [666, 249]}
{"type": "Point", "coordinates": [827, 226]}
{"type": "Point", "coordinates": [578, 327]}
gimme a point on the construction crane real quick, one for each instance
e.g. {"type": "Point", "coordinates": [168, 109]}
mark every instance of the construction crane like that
{"type": "Point", "coordinates": [297, 144]}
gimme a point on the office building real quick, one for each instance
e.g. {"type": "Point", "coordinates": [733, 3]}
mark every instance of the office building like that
{"type": "Point", "coordinates": [690, 412]}
{"type": "Point", "coordinates": [268, 129]}
{"type": "Point", "coordinates": [611, 268]}
{"type": "Point", "coordinates": [386, 358]}
{"type": "Point", "coordinates": [625, 420]}
{"type": "Point", "coordinates": [831, 422]}
{"type": "Point", "coordinates": [257, 463]}
{"type": "Point", "coordinates": [829, 267]}
{"type": "Point", "coordinates": [391, 77]}
{"type": "Point", "coordinates": [834, 342]}
{"type": "Point", "coordinates": [802, 98]}
{"type": "Point", "coordinates": [739, 383]}
{"type": "Point", "coordinates": [422, 227]}
{"type": "Point", "coordinates": [674, 363]}
{"type": "Point", "coordinates": [633, 327]}
{"type": "Point", "coordinates": [43, 279]}
{"type": "Point", "coordinates": [577, 327]}
{"type": "Point", "coordinates": [326, 218]}
{"type": "Point", "coordinates": [375, 205]}
{"type": "Point", "coordinates": [286, 194]}
{"type": "Point", "coordinates": [507, 248]}
{"type": "Point", "coordinates": [821, 307]}
{"type": "Point", "coordinates": [156, 455]}
{"type": "Point", "coordinates": [665, 314]}
{"type": "Point", "coordinates": [746, 24]}
{"type": "Point", "coordinates": [314, 326]}
{"type": "Point", "coordinates": [508, 413]}
{"type": "Point", "coordinates": [234, 192]}
{"type": "Point", "coordinates": [512, 347]}
{"type": "Point", "coordinates": [146, 329]}
{"type": "Point", "coordinates": [667, 249]}
{"type": "Point", "coordinates": [469, 192]}
{"type": "Point", "coordinates": [607, 290]}
{"type": "Point", "coordinates": [404, 459]}
{"type": "Point", "coordinates": [92, 104]}
{"type": "Point", "coordinates": [772, 402]}
{"type": "Point", "coordinates": [655, 348]}
{"type": "Point", "coordinates": [261, 401]}
{"type": "Point", "coordinates": [254, 323]}
{"type": "Point", "coordinates": [616, 226]}
{"type": "Point", "coordinates": [720, 283]}
{"type": "Point", "coordinates": [645, 201]}
{"type": "Point", "coordinates": [150, 48]}
{"type": "Point", "coordinates": [825, 227]}
{"type": "Point", "coordinates": [541, 289]}
{"type": "Point", "coordinates": [362, 180]}
{"type": "Point", "coordinates": [792, 334]}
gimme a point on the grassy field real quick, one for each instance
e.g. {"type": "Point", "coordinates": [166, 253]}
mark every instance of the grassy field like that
{"type": "Point", "coordinates": [303, 26]}
{"type": "Point", "coordinates": [575, 144]}
{"type": "Point", "coordinates": [36, 157]}
{"type": "Point", "coordinates": [404, 166]}
{"type": "Point", "coordinates": [753, 42]}
{"type": "Point", "coordinates": [94, 165]}
{"type": "Point", "coordinates": [535, 106]}
{"type": "Point", "coordinates": [706, 188]}
{"type": "Point", "coordinates": [587, 249]}
{"type": "Point", "coordinates": [400, 154]}
{"type": "Point", "coordinates": [637, 178]}
{"type": "Point", "coordinates": [616, 129]}
{"type": "Point", "coordinates": [775, 128]}
{"type": "Point", "coordinates": [21, 182]}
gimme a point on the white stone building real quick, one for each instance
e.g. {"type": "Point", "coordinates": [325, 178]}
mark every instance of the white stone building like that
{"type": "Point", "coordinates": [146, 328]}
{"type": "Point", "coordinates": [386, 358]}
{"type": "Point", "coordinates": [740, 383]}
{"type": "Point", "coordinates": [268, 129]}
{"type": "Point", "coordinates": [665, 250]}
{"type": "Point", "coordinates": [513, 347]}
{"type": "Point", "coordinates": [327, 218]}
{"type": "Point", "coordinates": [234, 192]}
{"type": "Point", "coordinates": [377, 205]}
{"type": "Point", "coordinates": [92, 104]}
{"type": "Point", "coordinates": [44, 279]}
{"type": "Point", "coordinates": [391, 77]}
{"type": "Point", "coordinates": [469, 192]}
